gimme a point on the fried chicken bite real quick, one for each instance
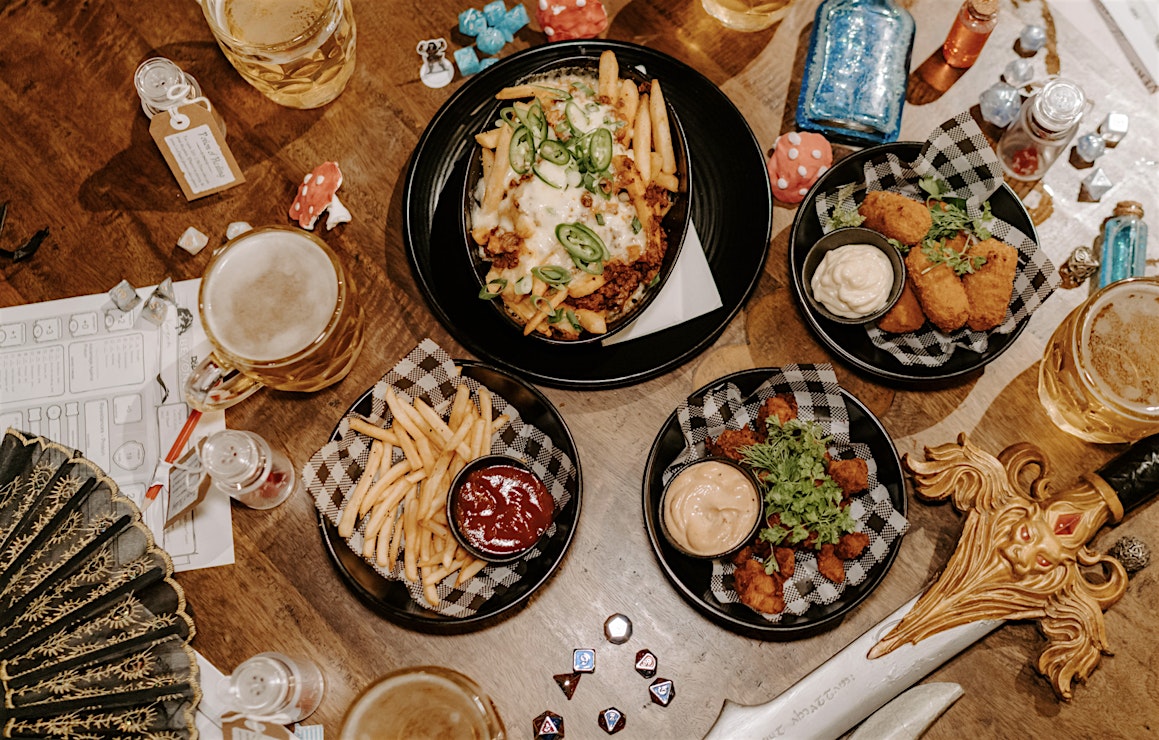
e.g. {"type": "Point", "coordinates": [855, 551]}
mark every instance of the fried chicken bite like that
{"type": "Point", "coordinates": [988, 288]}
{"type": "Point", "coordinates": [939, 289]}
{"type": "Point", "coordinates": [851, 545]}
{"type": "Point", "coordinates": [851, 475]}
{"type": "Point", "coordinates": [829, 565]}
{"type": "Point", "coordinates": [906, 314]}
{"type": "Point", "coordinates": [783, 406]}
{"type": "Point", "coordinates": [730, 442]}
{"type": "Point", "coordinates": [757, 589]}
{"type": "Point", "coordinates": [895, 216]}
{"type": "Point", "coordinates": [786, 561]}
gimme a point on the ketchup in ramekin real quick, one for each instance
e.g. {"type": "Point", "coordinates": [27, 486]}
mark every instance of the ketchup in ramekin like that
{"type": "Point", "coordinates": [500, 508]}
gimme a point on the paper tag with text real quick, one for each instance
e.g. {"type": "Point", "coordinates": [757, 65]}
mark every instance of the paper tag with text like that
{"type": "Point", "coordinates": [237, 727]}
{"type": "Point", "coordinates": [192, 142]}
{"type": "Point", "coordinates": [188, 485]}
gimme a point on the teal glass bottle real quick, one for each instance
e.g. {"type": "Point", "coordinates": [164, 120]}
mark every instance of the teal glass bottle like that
{"type": "Point", "coordinates": [856, 71]}
{"type": "Point", "coordinates": [1124, 244]}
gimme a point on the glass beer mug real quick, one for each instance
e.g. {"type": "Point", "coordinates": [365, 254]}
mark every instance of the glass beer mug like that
{"type": "Point", "coordinates": [280, 311]}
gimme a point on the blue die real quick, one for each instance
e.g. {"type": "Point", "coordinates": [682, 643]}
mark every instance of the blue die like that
{"type": "Point", "coordinates": [515, 19]}
{"type": "Point", "coordinates": [487, 62]}
{"type": "Point", "coordinates": [494, 12]}
{"type": "Point", "coordinates": [490, 41]}
{"type": "Point", "coordinates": [467, 60]}
{"type": "Point", "coordinates": [471, 22]}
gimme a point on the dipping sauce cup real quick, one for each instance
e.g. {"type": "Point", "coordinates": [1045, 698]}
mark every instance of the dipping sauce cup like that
{"type": "Point", "coordinates": [499, 508]}
{"type": "Point", "coordinates": [862, 286]}
{"type": "Point", "coordinates": [711, 508]}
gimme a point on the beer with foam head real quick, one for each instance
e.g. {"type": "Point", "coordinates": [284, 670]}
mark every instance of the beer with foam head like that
{"type": "Point", "coordinates": [423, 703]}
{"type": "Point", "coordinates": [278, 307]}
{"type": "Point", "coordinates": [1099, 377]}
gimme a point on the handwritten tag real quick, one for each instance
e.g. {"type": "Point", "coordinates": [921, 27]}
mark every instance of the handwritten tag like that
{"type": "Point", "coordinates": [194, 147]}
{"type": "Point", "coordinates": [245, 728]}
{"type": "Point", "coordinates": [188, 485]}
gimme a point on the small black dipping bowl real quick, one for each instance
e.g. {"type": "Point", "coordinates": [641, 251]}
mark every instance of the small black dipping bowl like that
{"type": "Point", "coordinates": [757, 520]}
{"type": "Point", "coordinates": [453, 496]}
{"type": "Point", "coordinates": [841, 238]}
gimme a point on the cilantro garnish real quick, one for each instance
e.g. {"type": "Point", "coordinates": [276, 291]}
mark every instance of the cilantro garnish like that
{"type": "Point", "coordinates": [849, 216]}
{"type": "Point", "coordinates": [790, 465]}
{"type": "Point", "coordinates": [950, 218]}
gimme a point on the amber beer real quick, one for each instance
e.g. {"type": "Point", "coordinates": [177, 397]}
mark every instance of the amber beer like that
{"type": "Point", "coordinates": [747, 15]}
{"type": "Point", "coordinates": [1099, 378]}
{"type": "Point", "coordinates": [299, 53]}
{"type": "Point", "coordinates": [423, 703]}
{"type": "Point", "coordinates": [278, 308]}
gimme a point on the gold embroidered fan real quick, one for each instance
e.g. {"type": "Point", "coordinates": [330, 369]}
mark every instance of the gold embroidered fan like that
{"type": "Point", "coordinates": [94, 634]}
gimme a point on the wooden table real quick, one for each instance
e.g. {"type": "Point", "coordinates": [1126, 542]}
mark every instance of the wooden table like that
{"type": "Point", "coordinates": [77, 157]}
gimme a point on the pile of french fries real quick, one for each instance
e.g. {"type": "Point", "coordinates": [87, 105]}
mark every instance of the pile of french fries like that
{"type": "Point", "coordinates": [648, 137]}
{"type": "Point", "coordinates": [403, 505]}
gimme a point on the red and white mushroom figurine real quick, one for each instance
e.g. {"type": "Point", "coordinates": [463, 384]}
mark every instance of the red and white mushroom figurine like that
{"type": "Point", "coordinates": [318, 193]}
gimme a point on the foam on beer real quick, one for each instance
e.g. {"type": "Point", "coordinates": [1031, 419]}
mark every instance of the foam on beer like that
{"type": "Point", "coordinates": [1120, 345]}
{"type": "Point", "coordinates": [270, 296]}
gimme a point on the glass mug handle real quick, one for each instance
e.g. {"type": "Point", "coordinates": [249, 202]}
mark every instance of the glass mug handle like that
{"type": "Point", "coordinates": [215, 385]}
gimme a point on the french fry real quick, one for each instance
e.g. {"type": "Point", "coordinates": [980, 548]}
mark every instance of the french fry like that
{"type": "Point", "coordinates": [468, 571]}
{"type": "Point", "coordinates": [385, 481]}
{"type": "Point", "coordinates": [488, 163]}
{"type": "Point", "coordinates": [609, 75]}
{"type": "Point", "coordinates": [516, 92]}
{"type": "Point", "coordinates": [495, 185]}
{"type": "Point", "coordinates": [350, 513]}
{"type": "Point", "coordinates": [431, 594]}
{"type": "Point", "coordinates": [410, 555]}
{"type": "Point", "coordinates": [628, 102]}
{"type": "Point", "coordinates": [661, 133]}
{"type": "Point", "coordinates": [385, 537]}
{"type": "Point", "coordinates": [459, 405]}
{"type": "Point", "coordinates": [642, 141]}
{"type": "Point", "coordinates": [559, 297]}
{"type": "Point", "coordinates": [395, 541]}
{"type": "Point", "coordinates": [667, 181]}
{"type": "Point", "coordinates": [362, 426]}
{"type": "Point", "coordinates": [488, 138]}
{"type": "Point", "coordinates": [486, 412]}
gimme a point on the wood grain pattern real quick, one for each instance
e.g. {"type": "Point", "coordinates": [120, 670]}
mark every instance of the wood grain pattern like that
{"type": "Point", "coordinates": [77, 157]}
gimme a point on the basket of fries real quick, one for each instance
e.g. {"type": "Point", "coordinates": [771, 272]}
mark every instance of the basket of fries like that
{"type": "Point", "coordinates": [381, 484]}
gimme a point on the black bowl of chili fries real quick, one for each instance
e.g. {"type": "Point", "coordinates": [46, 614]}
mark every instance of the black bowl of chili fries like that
{"type": "Point", "coordinates": [573, 238]}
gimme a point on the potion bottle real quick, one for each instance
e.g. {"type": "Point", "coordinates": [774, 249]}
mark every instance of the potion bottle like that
{"type": "Point", "coordinates": [163, 85]}
{"type": "Point", "coordinates": [243, 465]}
{"type": "Point", "coordinates": [1044, 127]}
{"type": "Point", "coordinates": [1124, 244]}
{"type": "Point", "coordinates": [856, 71]}
{"type": "Point", "coordinates": [975, 21]}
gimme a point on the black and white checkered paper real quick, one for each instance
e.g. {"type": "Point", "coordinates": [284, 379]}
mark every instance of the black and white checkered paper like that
{"type": "Point", "coordinates": [429, 373]}
{"type": "Point", "coordinates": [958, 153]}
{"type": "Point", "coordinates": [818, 399]}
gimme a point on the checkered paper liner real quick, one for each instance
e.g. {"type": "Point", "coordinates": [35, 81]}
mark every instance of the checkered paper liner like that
{"type": "Point", "coordinates": [958, 153]}
{"type": "Point", "coordinates": [818, 399]}
{"type": "Point", "coordinates": [429, 373]}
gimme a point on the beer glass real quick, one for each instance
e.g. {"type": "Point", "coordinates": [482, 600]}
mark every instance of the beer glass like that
{"type": "Point", "coordinates": [747, 15]}
{"type": "Point", "coordinates": [298, 53]}
{"type": "Point", "coordinates": [423, 703]}
{"type": "Point", "coordinates": [1099, 377]}
{"type": "Point", "coordinates": [280, 311]}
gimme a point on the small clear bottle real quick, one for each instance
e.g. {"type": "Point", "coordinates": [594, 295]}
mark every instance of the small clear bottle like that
{"type": "Point", "coordinates": [856, 71]}
{"type": "Point", "coordinates": [975, 21]}
{"type": "Point", "coordinates": [1043, 130]}
{"type": "Point", "coordinates": [161, 85]}
{"type": "Point", "coordinates": [275, 687]}
{"type": "Point", "coordinates": [1124, 244]}
{"type": "Point", "coordinates": [243, 465]}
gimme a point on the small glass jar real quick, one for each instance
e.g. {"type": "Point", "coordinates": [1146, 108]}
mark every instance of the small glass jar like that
{"type": "Point", "coordinates": [972, 27]}
{"type": "Point", "coordinates": [1044, 128]}
{"type": "Point", "coordinates": [243, 465]}
{"type": "Point", "coordinates": [162, 85]}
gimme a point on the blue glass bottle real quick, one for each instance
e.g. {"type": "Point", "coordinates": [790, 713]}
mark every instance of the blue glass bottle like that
{"type": "Point", "coordinates": [856, 71]}
{"type": "Point", "coordinates": [1124, 244]}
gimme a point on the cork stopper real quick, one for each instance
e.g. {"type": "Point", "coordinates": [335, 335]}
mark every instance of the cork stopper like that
{"type": "Point", "coordinates": [1129, 208]}
{"type": "Point", "coordinates": [983, 9]}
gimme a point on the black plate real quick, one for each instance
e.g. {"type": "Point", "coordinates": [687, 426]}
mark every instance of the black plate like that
{"type": "Point", "coordinates": [691, 576]}
{"type": "Point", "coordinates": [391, 599]}
{"type": "Point", "coordinates": [731, 209]}
{"type": "Point", "coordinates": [851, 342]}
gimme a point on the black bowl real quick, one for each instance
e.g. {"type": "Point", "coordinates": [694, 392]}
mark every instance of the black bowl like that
{"type": "Point", "coordinates": [675, 221]}
{"type": "Point", "coordinates": [841, 238]}
{"type": "Point", "coordinates": [457, 485]}
{"type": "Point", "coordinates": [758, 519]}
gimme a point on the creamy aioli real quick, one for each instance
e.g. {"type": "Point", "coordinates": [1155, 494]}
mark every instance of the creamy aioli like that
{"type": "Point", "coordinates": [710, 508]}
{"type": "Point", "coordinates": [853, 281]}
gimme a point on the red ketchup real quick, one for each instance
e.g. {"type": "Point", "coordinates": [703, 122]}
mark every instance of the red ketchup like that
{"type": "Point", "coordinates": [502, 509]}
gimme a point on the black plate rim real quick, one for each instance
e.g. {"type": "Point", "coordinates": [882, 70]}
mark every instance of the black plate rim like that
{"type": "Point", "coordinates": [757, 627]}
{"type": "Point", "coordinates": [913, 375]}
{"type": "Point", "coordinates": [429, 621]}
{"type": "Point", "coordinates": [707, 327]}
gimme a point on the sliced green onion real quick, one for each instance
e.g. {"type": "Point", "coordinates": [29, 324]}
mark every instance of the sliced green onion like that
{"type": "Point", "coordinates": [486, 293]}
{"type": "Point", "coordinates": [552, 274]}
{"type": "Point", "coordinates": [576, 117]}
{"type": "Point", "coordinates": [600, 150]}
{"type": "Point", "coordinates": [554, 152]}
{"type": "Point", "coordinates": [571, 319]}
{"type": "Point", "coordinates": [554, 91]}
{"type": "Point", "coordinates": [585, 88]}
{"type": "Point", "coordinates": [636, 225]}
{"type": "Point", "coordinates": [521, 151]}
{"type": "Point", "coordinates": [509, 116]}
{"type": "Point", "coordinates": [600, 219]}
{"type": "Point", "coordinates": [523, 285]}
{"type": "Point", "coordinates": [654, 281]}
{"type": "Point", "coordinates": [544, 305]}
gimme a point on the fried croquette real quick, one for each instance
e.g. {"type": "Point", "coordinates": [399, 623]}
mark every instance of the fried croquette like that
{"type": "Point", "coordinates": [988, 288]}
{"type": "Point", "coordinates": [851, 545]}
{"type": "Point", "coordinates": [851, 475]}
{"type": "Point", "coordinates": [757, 589]}
{"type": "Point", "coordinates": [939, 289]}
{"type": "Point", "coordinates": [906, 314]}
{"type": "Point", "coordinates": [895, 216]}
{"type": "Point", "coordinates": [829, 565]}
{"type": "Point", "coordinates": [783, 406]}
{"type": "Point", "coordinates": [731, 441]}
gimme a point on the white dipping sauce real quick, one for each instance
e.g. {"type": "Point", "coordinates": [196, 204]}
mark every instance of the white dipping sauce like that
{"type": "Point", "coordinates": [853, 281]}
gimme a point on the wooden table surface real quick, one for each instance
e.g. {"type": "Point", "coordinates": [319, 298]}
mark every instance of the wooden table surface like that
{"type": "Point", "coordinates": [77, 157]}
